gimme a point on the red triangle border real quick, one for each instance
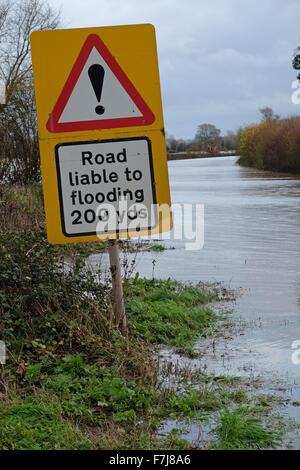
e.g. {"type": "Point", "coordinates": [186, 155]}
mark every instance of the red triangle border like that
{"type": "Point", "coordinates": [53, 125]}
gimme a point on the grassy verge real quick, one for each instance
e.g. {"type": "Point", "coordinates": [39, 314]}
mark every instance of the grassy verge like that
{"type": "Point", "coordinates": [170, 312]}
{"type": "Point", "coordinates": [72, 381]}
{"type": "Point", "coordinates": [69, 404]}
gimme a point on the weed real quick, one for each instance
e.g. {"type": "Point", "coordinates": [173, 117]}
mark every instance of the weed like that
{"type": "Point", "coordinates": [241, 429]}
{"type": "Point", "coordinates": [156, 247]}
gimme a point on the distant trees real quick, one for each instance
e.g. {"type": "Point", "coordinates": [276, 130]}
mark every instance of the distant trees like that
{"type": "Point", "coordinates": [19, 154]}
{"type": "Point", "coordinates": [267, 114]}
{"type": "Point", "coordinates": [296, 61]}
{"type": "Point", "coordinates": [207, 134]}
{"type": "Point", "coordinates": [229, 141]}
{"type": "Point", "coordinates": [208, 138]}
{"type": "Point", "coordinates": [175, 145]}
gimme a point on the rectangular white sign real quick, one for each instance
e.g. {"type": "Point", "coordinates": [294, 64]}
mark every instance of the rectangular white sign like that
{"type": "Point", "coordinates": [106, 186]}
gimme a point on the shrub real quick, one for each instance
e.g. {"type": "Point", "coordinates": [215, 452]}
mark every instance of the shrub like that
{"type": "Point", "coordinates": [272, 145]}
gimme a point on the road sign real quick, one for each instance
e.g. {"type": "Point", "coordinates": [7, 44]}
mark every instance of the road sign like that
{"type": "Point", "coordinates": [102, 145]}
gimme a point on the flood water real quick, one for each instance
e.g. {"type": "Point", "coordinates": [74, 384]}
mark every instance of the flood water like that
{"type": "Point", "coordinates": [252, 228]}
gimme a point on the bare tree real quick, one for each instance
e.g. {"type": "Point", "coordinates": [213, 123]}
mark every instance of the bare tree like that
{"type": "Point", "coordinates": [4, 6]}
{"type": "Point", "coordinates": [267, 114]}
{"type": "Point", "coordinates": [19, 153]}
{"type": "Point", "coordinates": [21, 19]}
{"type": "Point", "coordinates": [3, 15]}
{"type": "Point", "coordinates": [19, 149]}
{"type": "Point", "coordinates": [207, 134]}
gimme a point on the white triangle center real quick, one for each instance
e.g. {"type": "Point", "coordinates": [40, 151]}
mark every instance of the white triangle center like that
{"type": "Point", "coordinates": [82, 102]}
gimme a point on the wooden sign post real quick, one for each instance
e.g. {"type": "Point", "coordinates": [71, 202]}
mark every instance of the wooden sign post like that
{"type": "Point", "coordinates": [118, 295]}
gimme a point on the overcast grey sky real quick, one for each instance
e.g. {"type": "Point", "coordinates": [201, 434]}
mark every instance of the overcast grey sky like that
{"type": "Point", "coordinates": [219, 60]}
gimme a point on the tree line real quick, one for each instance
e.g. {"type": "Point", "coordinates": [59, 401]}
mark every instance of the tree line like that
{"type": "Point", "coordinates": [208, 138]}
{"type": "Point", "coordinates": [272, 145]}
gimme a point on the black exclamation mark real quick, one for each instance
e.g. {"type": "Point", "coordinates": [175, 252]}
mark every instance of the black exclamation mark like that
{"type": "Point", "coordinates": [96, 74]}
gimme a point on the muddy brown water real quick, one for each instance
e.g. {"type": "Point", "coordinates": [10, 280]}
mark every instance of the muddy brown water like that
{"type": "Point", "coordinates": [252, 228]}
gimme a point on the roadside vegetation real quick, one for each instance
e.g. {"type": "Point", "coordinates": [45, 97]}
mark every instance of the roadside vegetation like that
{"type": "Point", "coordinates": [274, 145]}
{"type": "Point", "coordinates": [73, 381]}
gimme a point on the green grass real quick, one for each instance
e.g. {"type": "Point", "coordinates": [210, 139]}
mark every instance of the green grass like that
{"type": "Point", "coordinates": [242, 429]}
{"type": "Point", "coordinates": [156, 247]}
{"type": "Point", "coordinates": [169, 312]}
{"type": "Point", "coordinates": [91, 393]}
{"type": "Point", "coordinates": [60, 405]}
{"type": "Point", "coordinates": [38, 426]}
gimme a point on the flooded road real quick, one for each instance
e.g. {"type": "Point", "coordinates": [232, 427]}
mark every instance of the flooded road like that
{"type": "Point", "coordinates": [252, 241]}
